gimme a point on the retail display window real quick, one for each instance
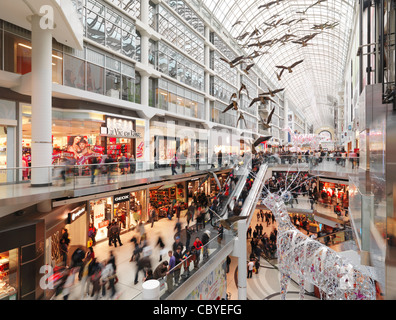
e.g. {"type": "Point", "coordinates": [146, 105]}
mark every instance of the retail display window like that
{"type": "Point", "coordinates": [9, 274]}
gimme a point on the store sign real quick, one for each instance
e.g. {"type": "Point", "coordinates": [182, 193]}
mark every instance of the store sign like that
{"type": "Point", "coordinates": [121, 198]}
{"type": "Point", "coordinates": [120, 128]}
{"type": "Point", "coordinates": [75, 214]}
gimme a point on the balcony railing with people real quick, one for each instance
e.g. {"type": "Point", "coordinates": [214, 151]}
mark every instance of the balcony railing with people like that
{"type": "Point", "coordinates": [313, 163]}
{"type": "Point", "coordinates": [73, 176]}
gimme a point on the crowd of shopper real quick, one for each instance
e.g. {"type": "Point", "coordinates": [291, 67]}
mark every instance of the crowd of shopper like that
{"type": "Point", "coordinates": [191, 239]}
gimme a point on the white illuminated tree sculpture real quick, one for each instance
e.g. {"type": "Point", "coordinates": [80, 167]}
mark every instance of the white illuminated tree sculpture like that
{"type": "Point", "coordinates": [314, 262]}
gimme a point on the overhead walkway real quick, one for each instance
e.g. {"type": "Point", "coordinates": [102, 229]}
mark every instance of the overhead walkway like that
{"type": "Point", "coordinates": [16, 194]}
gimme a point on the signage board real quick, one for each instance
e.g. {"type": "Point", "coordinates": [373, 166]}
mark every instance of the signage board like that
{"type": "Point", "coordinates": [121, 197]}
{"type": "Point", "coordinates": [120, 128]}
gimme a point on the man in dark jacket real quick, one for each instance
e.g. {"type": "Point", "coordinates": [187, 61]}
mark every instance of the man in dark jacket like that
{"type": "Point", "coordinates": [161, 270]}
{"type": "Point", "coordinates": [77, 260]}
{"type": "Point", "coordinates": [205, 240]}
{"type": "Point", "coordinates": [142, 264]}
{"type": "Point", "coordinates": [178, 259]}
{"type": "Point", "coordinates": [116, 230]}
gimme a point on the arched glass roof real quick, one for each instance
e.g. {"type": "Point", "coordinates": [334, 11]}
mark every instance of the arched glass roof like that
{"type": "Point", "coordinates": [314, 84]}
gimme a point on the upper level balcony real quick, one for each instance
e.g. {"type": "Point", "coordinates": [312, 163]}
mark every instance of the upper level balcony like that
{"type": "Point", "coordinates": [69, 181]}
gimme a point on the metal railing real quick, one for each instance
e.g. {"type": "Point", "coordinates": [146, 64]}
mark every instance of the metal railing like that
{"type": "Point", "coordinates": [77, 176]}
{"type": "Point", "coordinates": [314, 164]}
{"type": "Point", "coordinates": [181, 272]}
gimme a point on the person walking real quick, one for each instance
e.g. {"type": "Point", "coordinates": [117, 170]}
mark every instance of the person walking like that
{"type": "Point", "coordinates": [205, 241]}
{"type": "Point", "coordinates": [187, 257]}
{"type": "Point", "coordinates": [64, 251]}
{"type": "Point", "coordinates": [220, 230]}
{"type": "Point", "coordinates": [250, 267]}
{"type": "Point", "coordinates": [213, 161]}
{"type": "Point", "coordinates": [178, 210]}
{"type": "Point", "coordinates": [183, 160]}
{"type": "Point", "coordinates": [94, 272]}
{"type": "Point", "coordinates": [116, 233]}
{"type": "Point", "coordinates": [77, 260]}
{"type": "Point", "coordinates": [132, 164]}
{"type": "Point", "coordinates": [219, 158]}
{"type": "Point", "coordinates": [177, 244]}
{"type": "Point", "coordinates": [189, 232]}
{"type": "Point", "coordinates": [189, 214]}
{"type": "Point", "coordinates": [142, 264]}
{"type": "Point", "coordinates": [169, 274]}
{"type": "Point", "coordinates": [66, 289]}
{"type": "Point", "coordinates": [178, 259]}
{"type": "Point", "coordinates": [108, 277]}
{"type": "Point", "coordinates": [92, 233]}
{"type": "Point", "coordinates": [94, 168]}
{"type": "Point", "coordinates": [109, 233]}
{"type": "Point", "coordinates": [177, 228]}
{"type": "Point", "coordinates": [197, 248]}
{"type": "Point", "coordinates": [161, 244]}
{"type": "Point", "coordinates": [197, 160]}
{"type": "Point", "coordinates": [174, 164]}
{"type": "Point", "coordinates": [257, 265]}
{"type": "Point", "coordinates": [153, 216]}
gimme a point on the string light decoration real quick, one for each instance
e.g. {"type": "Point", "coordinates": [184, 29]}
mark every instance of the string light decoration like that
{"type": "Point", "coordinates": [314, 262]}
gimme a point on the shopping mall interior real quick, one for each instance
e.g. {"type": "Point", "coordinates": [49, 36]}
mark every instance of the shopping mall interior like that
{"type": "Point", "coordinates": [197, 150]}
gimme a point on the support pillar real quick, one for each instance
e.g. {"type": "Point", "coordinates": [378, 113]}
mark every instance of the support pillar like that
{"type": "Point", "coordinates": [41, 104]}
{"type": "Point", "coordinates": [144, 88]}
{"type": "Point", "coordinates": [242, 256]}
{"type": "Point", "coordinates": [148, 164]}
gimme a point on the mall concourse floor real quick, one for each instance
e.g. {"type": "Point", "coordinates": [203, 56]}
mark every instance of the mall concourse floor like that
{"type": "Point", "coordinates": [262, 286]}
{"type": "Point", "coordinates": [126, 270]}
{"type": "Point", "coordinates": [265, 285]}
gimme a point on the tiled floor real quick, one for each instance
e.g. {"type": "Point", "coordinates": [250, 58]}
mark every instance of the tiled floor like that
{"type": "Point", "coordinates": [264, 285]}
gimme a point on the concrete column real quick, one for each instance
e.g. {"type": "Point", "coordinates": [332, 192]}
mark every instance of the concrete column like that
{"type": "Point", "coordinates": [207, 56]}
{"type": "Point", "coordinates": [41, 103]}
{"type": "Point", "coordinates": [207, 83]}
{"type": "Point", "coordinates": [242, 264]}
{"type": "Point", "coordinates": [147, 148]}
{"type": "Point", "coordinates": [144, 48]}
{"type": "Point", "coordinates": [144, 11]}
{"type": "Point", "coordinates": [144, 88]}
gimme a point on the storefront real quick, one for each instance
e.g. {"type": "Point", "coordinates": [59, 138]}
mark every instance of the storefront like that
{"type": "Point", "coordinates": [162, 197]}
{"type": "Point", "coordinates": [8, 146]}
{"type": "Point", "coordinates": [128, 208]}
{"type": "Point", "coordinates": [78, 135]}
{"type": "Point", "coordinates": [203, 185]}
{"type": "Point", "coordinates": [100, 216]}
{"type": "Point", "coordinates": [121, 137]}
{"type": "Point", "coordinates": [137, 208]}
{"type": "Point", "coordinates": [77, 227]}
{"type": "Point", "coordinates": [121, 203]}
{"type": "Point", "coordinates": [9, 274]}
{"type": "Point", "coordinates": [73, 218]}
{"type": "Point", "coordinates": [332, 193]}
{"type": "Point", "coordinates": [21, 256]}
{"type": "Point", "coordinates": [169, 138]}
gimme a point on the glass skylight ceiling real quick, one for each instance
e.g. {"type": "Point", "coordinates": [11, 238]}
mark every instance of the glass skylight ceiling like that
{"type": "Point", "coordinates": [314, 84]}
